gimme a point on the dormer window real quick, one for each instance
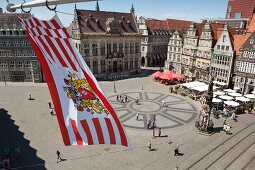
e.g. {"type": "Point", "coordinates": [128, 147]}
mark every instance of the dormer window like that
{"type": "Point", "coordinates": [251, 41]}
{"type": "Point", "coordinates": [112, 26]}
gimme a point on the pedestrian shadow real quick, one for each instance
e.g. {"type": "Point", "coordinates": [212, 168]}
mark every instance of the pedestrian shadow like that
{"type": "Point", "coordinates": [31, 99]}
{"type": "Point", "coordinates": [162, 136]}
{"type": "Point", "coordinates": [218, 129]}
{"type": "Point", "coordinates": [154, 149]}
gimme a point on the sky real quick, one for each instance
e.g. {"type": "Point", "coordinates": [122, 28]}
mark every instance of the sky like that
{"type": "Point", "coordinates": [193, 10]}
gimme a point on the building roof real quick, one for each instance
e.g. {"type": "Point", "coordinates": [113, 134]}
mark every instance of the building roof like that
{"type": "Point", "coordinates": [239, 40]}
{"type": "Point", "coordinates": [246, 7]}
{"type": "Point", "coordinates": [166, 25]}
{"type": "Point", "coordinates": [93, 22]}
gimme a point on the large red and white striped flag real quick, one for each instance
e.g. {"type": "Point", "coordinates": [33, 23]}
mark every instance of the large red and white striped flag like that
{"type": "Point", "coordinates": [84, 114]}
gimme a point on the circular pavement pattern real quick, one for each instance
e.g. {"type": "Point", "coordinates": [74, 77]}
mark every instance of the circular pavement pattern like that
{"type": "Point", "coordinates": [177, 111]}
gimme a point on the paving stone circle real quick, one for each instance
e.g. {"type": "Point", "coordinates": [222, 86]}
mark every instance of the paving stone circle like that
{"type": "Point", "coordinates": [177, 111]}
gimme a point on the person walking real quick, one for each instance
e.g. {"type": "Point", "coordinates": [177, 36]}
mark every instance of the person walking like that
{"type": "Point", "coordinates": [29, 96]}
{"type": "Point", "coordinates": [126, 98]}
{"type": "Point", "coordinates": [148, 124]}
{"type": "Point", "coordinates": [154, 117]}
{"type": "Point", "coordinates": [159, 132]}
{"type": "Point", "coordinates": [52, 111]}
{"type": "Point", "coordinates": [58, 157]}
{"type": "Point", "coordinates": [137, 116]}
{"type": "Point", "coordinates": [176, 150]}
{"type": "Point", "coordinates": [117, 98]}
{"type": "Point", "coordinates": [153, 133]}
{"type": "Point", "coordinates": [49, 105]}
{"type": "Point", "coordinates": [149, 145]}
{"type": "Point", "coordinates": [163, 103]}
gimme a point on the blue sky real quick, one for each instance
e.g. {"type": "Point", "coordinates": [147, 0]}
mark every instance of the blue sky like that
{"type": "Point", "coordinates": [160, 9]}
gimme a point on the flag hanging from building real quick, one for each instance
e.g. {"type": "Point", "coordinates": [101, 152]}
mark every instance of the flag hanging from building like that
{"type": "Point", "coordinates": [84, 114]}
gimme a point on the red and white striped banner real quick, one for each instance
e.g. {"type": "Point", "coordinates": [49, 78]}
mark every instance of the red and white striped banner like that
{"type": "Point", "coordinates": [84, 114]}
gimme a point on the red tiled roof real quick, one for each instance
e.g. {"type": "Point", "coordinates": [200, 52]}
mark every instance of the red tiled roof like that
{"type": "Point", "coordinates": [168, 24]}
{"type": "Point", "coordinates": [217, 29]}
{"type": "Point", "coordinates": [95, 21]}
{"type": "Point", "coordinates": [239, 40]}
{"type": "Point", "coordinates": [246, 7]}
{"type": "Point", "coordinates": [178, 24]}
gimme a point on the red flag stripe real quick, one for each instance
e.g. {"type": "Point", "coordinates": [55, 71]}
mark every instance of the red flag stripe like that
{"type": "Point", "coordinates": [110, 131]}
{"type": "Point", "coordinates": [46, 48]}
{"type": "Point", "coordinates": [66, 54]}
{"type": "Point", "coordinates": [47, 25]}
{"type": "Point", "coordinates": [56, 25]}
{"type": "Point", "coordinates": [76, 132]}
{"type": "Point", "coordinates": [52, 88]}
{"type": "Point", "coordinates": [31, 23]}
{"type": "Point", "coordinates": [99, 131]}
{"type": "Point", "coordinates": [55, 51]}
{"type": "Point", "coordinates": [86, 129]}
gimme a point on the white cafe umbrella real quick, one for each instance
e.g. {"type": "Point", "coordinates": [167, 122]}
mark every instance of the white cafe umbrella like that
{"type": "Point", "coordinates": [235, 94]}
{"type": "Point", "coordinates": [231, 103]}
{"type": "Point", "coordinates": [253, 92]}
{"type": "Point", "coordinates": [219, 93]}
{"type": "Point", "coordinates": [236, 88]}
{"type": "Point", "coordinates": [229, 91]}
{"type": "Point", "coordinates": [250, 96]}
{"type": "Point", "coordinates": [226, 97]}
{"type": "Point", "coordinates": [215, 100]}
{"type": "Point", "coordinates": [243, 99]}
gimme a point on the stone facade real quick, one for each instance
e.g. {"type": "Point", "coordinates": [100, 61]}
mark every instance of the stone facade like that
{"type": "Point", "coordinates": [245, 75]}
{"type": "Point", "coordinates": [17, 58]}
{"type": "Point", "coordinates": [174, 54]}
{"type": "Point", "coordinates": [223, 58]}
{"type": "Point", "coordinates": [108, 41]}
{"type": "Point", "coordinates": [155, 39]}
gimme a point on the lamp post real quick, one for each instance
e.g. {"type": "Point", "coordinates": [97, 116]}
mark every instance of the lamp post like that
{"type": "Point", "coordinates": [114, 87]}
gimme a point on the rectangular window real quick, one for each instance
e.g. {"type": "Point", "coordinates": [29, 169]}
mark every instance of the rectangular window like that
{"type": "Point", "coordinates": [126, 65]}
{"type": "Point", "coordinates": [218, 47]}
{"type": "Point", "coordinates": [227, 48]}
{"type": "Point", "coordinates": [8, 43]}
{"type": "Point", "coordinates": [137, 48]}
{"type": "Point", "coordinates": [34, 65]}
{"type": "Point", "coordinates": [19, 64]}
{"type": "Point", "coordinates": [238, 15]}
{"type": "Point", "coordinates": [94, 50]}
{"type": "Point", "coordinates": [136, 63]}
{"type": "Point", "coordinates": [103, 68]}
{"type": "Point", "coordinates": [109, 48]}
{"type": "Point", "coordinates": [224, 38]}
{"type": "Point", "coordinates": [114, 47]}
{"type": "Point", "coordinates": [1, 43]}
{"type": "Point", "coordinates": [131, 64]}
{"type": "Point", "coordinates": [95, 67]}
{"type": "Point", "coordinates": [86, 49]}
{"type": "Point", "coordinates": [223, 47]}
{"type": "Point", "coordinates": [27, 64]}
{"type": "Point", "coordinates": [126, 48]}
{"type": "Point", "coordinates": [121, 48]}
{"type": "Point", "coordinates": [12, 64]}
{"type": "Point", "coordinates": [102, 48]}
{"type": "Point", "coordinates": [131, 48]}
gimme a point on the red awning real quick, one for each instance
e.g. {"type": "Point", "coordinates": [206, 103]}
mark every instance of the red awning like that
{"type": "Point", "coordinates": [179, 76]}
{"type": "Point", "coordinates": [157, 74]}
{"type": "Point", "coordinates": [167, 77]}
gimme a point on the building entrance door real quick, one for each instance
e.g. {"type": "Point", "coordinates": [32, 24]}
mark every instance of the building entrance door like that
{"type": "Point", "coordinates": [143, 61]}
{"type": "Point", "coordinates": [115, 67]}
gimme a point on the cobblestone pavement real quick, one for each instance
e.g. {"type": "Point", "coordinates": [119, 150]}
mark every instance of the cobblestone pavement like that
{"type": "Point", "coordinates": [176, 112]}
{"type": "Point", "coordinates": [41, 132]}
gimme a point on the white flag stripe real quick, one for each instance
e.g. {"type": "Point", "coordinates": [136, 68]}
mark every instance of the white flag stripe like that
{"type": "Point", "coordinates": [47, 55]}
{"type": "Point", "coordinates": [104, 128]}
{"type": "Point", "coordinates": [116, 132]}
{"type": "Point", "coordinates": [93, 132]}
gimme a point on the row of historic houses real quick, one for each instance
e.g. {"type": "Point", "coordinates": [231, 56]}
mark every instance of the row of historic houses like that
{"type": "Point", "coordinates": [213, 49]}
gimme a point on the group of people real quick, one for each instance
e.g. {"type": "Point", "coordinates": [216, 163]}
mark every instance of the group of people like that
{"type": "Point", "coordinates": [122, 98]}
{"type": "Point", "coordinates": [5, 161]}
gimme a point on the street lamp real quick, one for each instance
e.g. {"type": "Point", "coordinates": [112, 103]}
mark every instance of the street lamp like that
{"type": "Point", "coordinates": [114, 87]}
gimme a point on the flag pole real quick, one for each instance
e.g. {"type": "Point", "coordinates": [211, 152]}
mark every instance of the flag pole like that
{"type": "Point", "coordinates": [38, 3]}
